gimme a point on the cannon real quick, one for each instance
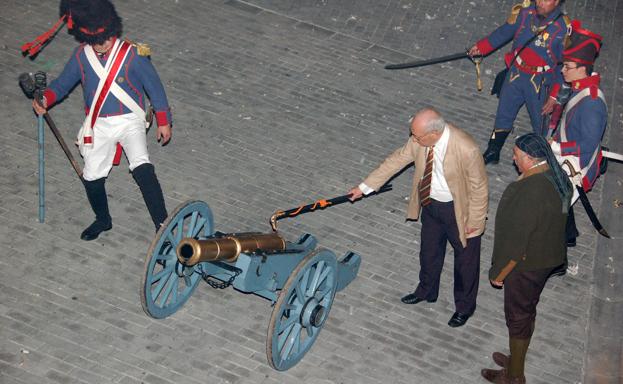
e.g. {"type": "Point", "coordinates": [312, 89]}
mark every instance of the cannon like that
{"type": "Point", "coordinates": [298, 278]}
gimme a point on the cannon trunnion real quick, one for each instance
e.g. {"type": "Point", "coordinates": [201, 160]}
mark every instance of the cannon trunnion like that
{"type": "Point", "coordinates": [298, 278]}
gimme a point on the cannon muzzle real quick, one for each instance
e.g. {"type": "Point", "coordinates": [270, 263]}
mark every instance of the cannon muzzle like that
{"type": "Point", "coordinates": [191, 251]}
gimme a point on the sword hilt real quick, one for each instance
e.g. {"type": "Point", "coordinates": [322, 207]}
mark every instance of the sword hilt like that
{"type": "Point", "coordinates": [572, 171]}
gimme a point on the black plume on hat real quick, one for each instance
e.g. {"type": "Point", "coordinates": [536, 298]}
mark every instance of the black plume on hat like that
{"type": "Point", "coordinates": [585, 45]}
{"type": "Point", "coordinates": [94, 21]}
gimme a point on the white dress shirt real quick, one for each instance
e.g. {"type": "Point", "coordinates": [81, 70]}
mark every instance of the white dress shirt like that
{"type": "Point", "coordinates": [439, 187]}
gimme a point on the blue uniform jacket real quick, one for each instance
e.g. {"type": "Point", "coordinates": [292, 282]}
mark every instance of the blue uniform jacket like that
{"type": "Point", "coordinates": [137, 77]}
{"type": "Point", "coordinates": [544, 50]}
{"type": "Point", "coordinates": [585, 126]}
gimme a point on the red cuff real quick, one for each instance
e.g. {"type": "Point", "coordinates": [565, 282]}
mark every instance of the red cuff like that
{"type": "Point", "coordinates": [161, 118]}
{"type": "Point", "coordinates": [555, 89]}
{"type": "Point", "coordinates": [484, 46]}
{"type": "Point", "coordinates": [50, 97]}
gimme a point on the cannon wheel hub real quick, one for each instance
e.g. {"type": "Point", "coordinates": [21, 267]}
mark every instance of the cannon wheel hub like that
{"type": "Point", "coordinates": [301, 309]}
{"type": "Point", "coordinates": [167, 284]}
{"type": "Point", "coordinates": [313, 314]}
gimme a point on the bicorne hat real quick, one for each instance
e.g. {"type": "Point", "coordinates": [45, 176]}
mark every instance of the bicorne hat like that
{"type": "Point", "coordinates": [89, 21]}
{"type": "Point", "coordinates": [584, 47]}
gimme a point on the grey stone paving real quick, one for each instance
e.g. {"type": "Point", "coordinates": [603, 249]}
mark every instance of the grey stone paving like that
{"type": "Point", "coordinates": [278, 103]}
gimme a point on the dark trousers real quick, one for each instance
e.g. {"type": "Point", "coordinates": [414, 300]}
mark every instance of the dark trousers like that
{"type": "Point", "coordinates": [571, 230]}
{"type": "Point", "coordinates": [523, 89]}
{"type": "Point", "coordinates": [438, 228]}
{"type": "Point", "coordinates": [522, 290]}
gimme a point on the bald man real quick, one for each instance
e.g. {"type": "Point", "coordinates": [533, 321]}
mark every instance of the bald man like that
{"type": "Point", "coordinates": [450, 191]}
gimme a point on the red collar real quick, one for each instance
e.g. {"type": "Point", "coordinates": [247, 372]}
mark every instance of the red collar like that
{"type": "Point", "coordinates": [591, 81]}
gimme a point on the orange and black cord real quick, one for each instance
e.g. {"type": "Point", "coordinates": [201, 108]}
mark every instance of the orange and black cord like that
{"type": "Point", "coordinates": [297, 211]}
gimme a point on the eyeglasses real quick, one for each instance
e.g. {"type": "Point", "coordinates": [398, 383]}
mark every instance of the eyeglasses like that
{"type": "Point", "coordinates": [566, 67]}
{"type": "Point", "coordinates": [418, 138]}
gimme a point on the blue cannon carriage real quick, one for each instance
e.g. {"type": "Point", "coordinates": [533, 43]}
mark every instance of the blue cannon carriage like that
{"type": "Point", "coordinates": [298, 278]}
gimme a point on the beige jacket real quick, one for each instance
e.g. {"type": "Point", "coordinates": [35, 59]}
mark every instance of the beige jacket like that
{"type": "Point", "coordinates": [465, 173]}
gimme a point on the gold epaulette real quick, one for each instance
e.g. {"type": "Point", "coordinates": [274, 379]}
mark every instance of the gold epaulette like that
{"type": "Point", "coordinates": [512, 18]}
{"type": "Point", "coordinates": [141, 49]}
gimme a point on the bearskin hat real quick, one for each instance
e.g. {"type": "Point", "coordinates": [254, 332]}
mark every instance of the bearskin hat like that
{"type": "Point", "coordinates": [94, 21]}
{"type": "Point", "coordinates": [89, 21]}
{"type": "Point", "coordinates": [584, 47]}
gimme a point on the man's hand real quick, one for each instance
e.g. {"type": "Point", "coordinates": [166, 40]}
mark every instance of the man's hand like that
{"type": "Point", "coordinates": [549, 105]}
{"type": "Point", "coordinates": [474, 51]}
{"type": "Point", "coordinates": [355, 194]}
{"type": "Point", "coordinates": [164, 133]}
{"type": "Point", "coordinates": [497, 284]}
{"type": "Point", "coordinates": [470, 230]}
{"type": "Point", "coordinates": [40, 109]}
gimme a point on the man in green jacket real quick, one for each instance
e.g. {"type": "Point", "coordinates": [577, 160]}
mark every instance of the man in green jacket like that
{"type": "Point", "coordinates": [529, 244]}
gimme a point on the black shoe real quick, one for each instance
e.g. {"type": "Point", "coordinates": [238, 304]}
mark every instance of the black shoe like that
{"type": "Point", "coordinates": [561, 270]}
{"type": "Point", "coordinates": [496, 142]}
{"type": "Point", "coordinates": [411, 298]}
{"type": "Point", "coordinates": [501, 359]}
{"type": "Point", "coordinates": [571, 243]}
{"type": "Point", "coordinates": [459, 319]}
{"type": "Point", "coordinates": [96, 194]}
{"type": "Point", "coordinates": [491, 155]}
{"type": "Point", "coordinates": [94, 230]}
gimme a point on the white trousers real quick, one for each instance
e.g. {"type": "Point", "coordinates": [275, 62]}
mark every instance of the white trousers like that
{"type": "Point", "coordinates": [129, 131]}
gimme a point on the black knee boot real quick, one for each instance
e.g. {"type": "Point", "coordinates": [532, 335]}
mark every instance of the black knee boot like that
{"type": "Point", "coordinates": [96, 193]}
{"type": "Point", "coordinates": [496, 142]}
{"type": "Point", "coordinates": [147, 181]}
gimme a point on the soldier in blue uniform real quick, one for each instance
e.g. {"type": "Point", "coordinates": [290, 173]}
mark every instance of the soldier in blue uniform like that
{"type": "Point", "coordinates": [577, 141]}
{"type": "Point", "coordinates": [533, 64]}
{"type": "Point", "coordinates": [116, 76]}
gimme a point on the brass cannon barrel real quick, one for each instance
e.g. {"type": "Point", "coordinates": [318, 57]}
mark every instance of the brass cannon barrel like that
{"type": "Point", "coordinates": [191, 251]}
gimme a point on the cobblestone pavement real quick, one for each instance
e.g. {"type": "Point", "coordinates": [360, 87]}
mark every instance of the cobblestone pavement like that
{"type": "Point", "coordinates": [279, 102]}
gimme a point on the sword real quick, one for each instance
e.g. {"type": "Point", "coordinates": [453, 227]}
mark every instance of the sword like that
{"type": "Point", "coordinates": [612, 155]}
{"type": "Point", "coordinates": [590, 212]}
{"type": "Point", "coordinates": [443, 59]}
{"type": "Point", "coordinates": [436, 60]}
{"type": "Point", "coordinates": [586, 202]}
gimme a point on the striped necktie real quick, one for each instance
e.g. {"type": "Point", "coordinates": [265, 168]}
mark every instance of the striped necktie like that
{"type": "Point", "coordinates": [427, 178]}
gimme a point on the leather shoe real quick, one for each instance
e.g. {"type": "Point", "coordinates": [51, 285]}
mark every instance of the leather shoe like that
{"type": "Point", "coordinates": [491, 156]}
{"type": "Point", "coordinates": [459, 319]}
{"type": "Point", "coordinates": [94, 230]}
{"type": "Point", "coordinates": [501, 377]}
{"type": "Point", "coordinates": [411, 298]}
{"type": "Point", "coordinates": [501, 359]}
{"type": "Point", "coordinates": [561, 270]}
